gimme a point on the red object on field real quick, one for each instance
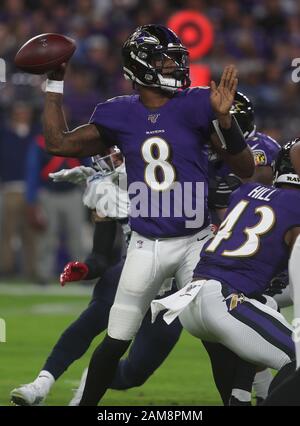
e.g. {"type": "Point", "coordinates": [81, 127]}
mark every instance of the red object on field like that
{"type": "Point", "coordinates": [44, 53]}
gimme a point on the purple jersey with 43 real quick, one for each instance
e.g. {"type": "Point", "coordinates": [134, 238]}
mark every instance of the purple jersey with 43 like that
{"type": "Point", "coordinates": [249, 248]}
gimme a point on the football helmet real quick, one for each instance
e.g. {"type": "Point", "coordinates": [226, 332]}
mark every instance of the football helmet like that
{"type": "Point", "coordinates": [243, 111]}
{"type": "Point", "coordinates": [154, 56]}
{"type": "Point", "coordinates": [107, 164]}
{"type": "Point", "coordinates": [283, 169]}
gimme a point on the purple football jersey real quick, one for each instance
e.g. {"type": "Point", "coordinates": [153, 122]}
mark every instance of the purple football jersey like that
{"type": "Point", "coordinates": [163, 148]}
{"type": "Point", "coordinates": [249, 248]}
{"type": "Point", "coordinates": [265, 150]}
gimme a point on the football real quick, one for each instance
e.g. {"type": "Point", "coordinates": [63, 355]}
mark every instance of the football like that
{"type": "Point", "coordinates": [44, 53]}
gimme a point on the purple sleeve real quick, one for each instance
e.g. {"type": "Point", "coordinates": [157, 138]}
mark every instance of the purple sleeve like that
{"type": "Point", "coordinates": [109, 118]}
{"type": "Point", "coordinates": [265, 150]}
{"type": "Point", "coordinates": [232, 197]}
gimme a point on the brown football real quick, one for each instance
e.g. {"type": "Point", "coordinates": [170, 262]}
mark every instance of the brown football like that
{"type": "Point", "coordinates": [44, 53]}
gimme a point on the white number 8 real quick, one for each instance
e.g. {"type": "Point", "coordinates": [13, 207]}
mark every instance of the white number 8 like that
{"type": "Point", "coordinates": [155, 162]}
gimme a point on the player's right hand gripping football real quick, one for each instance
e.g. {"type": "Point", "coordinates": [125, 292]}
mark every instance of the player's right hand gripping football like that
{"type": "Point", "coordinates": [59, 73]}
{"type": "Point", "coordinates": [73, 271]}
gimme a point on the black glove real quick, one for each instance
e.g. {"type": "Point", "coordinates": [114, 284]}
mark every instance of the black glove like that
{"type": "Point", "coordinates": [277, 284]}
{"type": "Point", "coordinates": [220, 190]}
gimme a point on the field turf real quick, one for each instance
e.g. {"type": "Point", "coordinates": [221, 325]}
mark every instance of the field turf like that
{"type": "Point", "coordinates": [35, 317]}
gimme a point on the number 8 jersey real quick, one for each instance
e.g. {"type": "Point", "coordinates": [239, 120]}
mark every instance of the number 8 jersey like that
{"type": "Point", "coordinates": [166, 156]}
{"type": "Point", "coordinates": [249, 248]}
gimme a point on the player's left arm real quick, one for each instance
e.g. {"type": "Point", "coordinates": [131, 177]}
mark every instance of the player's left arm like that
{"type": "Point", "coordinates": [227, 139]}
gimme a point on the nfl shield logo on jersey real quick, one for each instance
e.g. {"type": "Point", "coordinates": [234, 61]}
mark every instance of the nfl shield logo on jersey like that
{"type": "Point", "coordinates": [153, 118]}
{"type": "Point", "coordinates": [139, 244]}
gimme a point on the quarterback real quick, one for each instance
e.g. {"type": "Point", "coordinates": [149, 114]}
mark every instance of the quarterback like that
{"type": "Point", "coordinates": [162, 132]}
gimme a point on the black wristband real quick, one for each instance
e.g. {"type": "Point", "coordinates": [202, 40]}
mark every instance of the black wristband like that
{"type": "Point", "coordinates": [232, 139]}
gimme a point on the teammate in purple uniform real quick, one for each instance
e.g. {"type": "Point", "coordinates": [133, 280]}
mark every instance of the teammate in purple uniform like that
{"type": "Point", "coordinates": [252, 244]}
{"type": "Point", "coordinates": [162, 133]}
{"type": "Point", "coordinates": [264, 148]}
{"type": "Point", "coordinates": [222, 183]}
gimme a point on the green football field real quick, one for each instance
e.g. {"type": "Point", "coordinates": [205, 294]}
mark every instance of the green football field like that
{"type": "Point", "coordinates": [35, 318]}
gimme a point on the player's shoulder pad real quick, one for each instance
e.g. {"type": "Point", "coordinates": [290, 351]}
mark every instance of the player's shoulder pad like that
{"type": "Point", "coordinates": [196, 91]}
{"type": "Point", "coordinates": [114, 102]}
{"type": "Point", "coordinates": [112, 113]}
{"type": "Point", "coordinates": [266, 139]}
{"type": "Point", "coordinates": [294, 196]}
{"type": "Point", "coordinates": [289, 201]}
{"type": "Point", "coordinates": [120, 99]}
{"type": "Point", "coordinates": [264, 148]}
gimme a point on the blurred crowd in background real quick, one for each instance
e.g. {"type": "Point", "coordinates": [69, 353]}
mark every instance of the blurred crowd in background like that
{"type": "Point", "coordinates": [260, 36]}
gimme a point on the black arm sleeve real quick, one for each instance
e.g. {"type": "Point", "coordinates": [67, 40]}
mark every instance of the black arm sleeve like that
{"type": "Point", "coordinates": [103, 241]}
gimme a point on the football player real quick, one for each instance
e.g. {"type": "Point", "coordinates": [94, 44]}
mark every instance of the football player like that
{"type": "Point", "coordinates": [222, 183]}
{"type": "Point", "coordinates": [252, 244]}
{"type": "Point", "coordinates": [75, 340]}
{"type": "Point", "coordinates": [162, 132]}
{"type": "Point", "coordinates": [152, 343]}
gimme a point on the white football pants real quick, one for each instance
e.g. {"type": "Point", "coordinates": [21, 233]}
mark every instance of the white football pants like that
{"type": "Point", "coordinates": [148, 264]}
{"type": "Point", "coordinates": [254, 331]}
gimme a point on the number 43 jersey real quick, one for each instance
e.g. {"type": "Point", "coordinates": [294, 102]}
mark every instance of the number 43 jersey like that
{"type": "Point", "coordinates": [249, 248]}
{"type": "Point", "coordinates": [166, 156]}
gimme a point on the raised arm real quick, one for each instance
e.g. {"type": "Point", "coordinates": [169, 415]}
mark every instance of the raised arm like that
{"type": "Point", "coordinates": [227, 139]}
{"type": "Point", "coordinates": [83, 141]}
